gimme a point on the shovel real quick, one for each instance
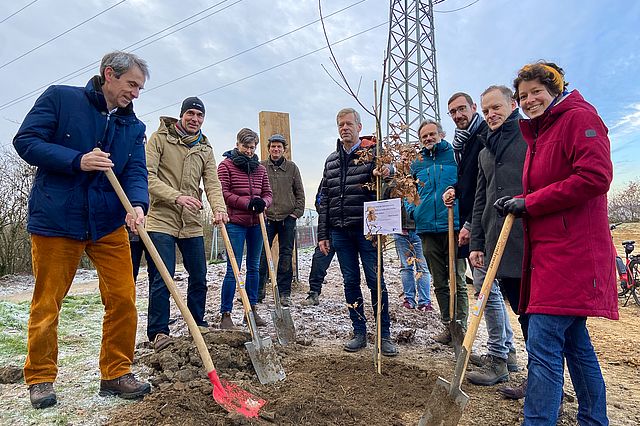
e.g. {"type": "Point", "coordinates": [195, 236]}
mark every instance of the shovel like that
{"type": "Point", "coordinates": [230, 397]}
{"type": "Point", "coordinates": [281, 316]}
{"type": "Point", "coordinates": [455, 328]}
{"type": "Point", "coordinates": [447, 400]}
{"type": "Point", "coordinates": [263, 356]}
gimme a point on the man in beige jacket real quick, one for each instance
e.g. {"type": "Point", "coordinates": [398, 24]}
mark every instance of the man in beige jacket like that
{"type": "Point", "coordinates": [179, 158]}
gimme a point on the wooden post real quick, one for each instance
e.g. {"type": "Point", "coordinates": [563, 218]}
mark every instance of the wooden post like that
{"type": "Point", "coordinates": [271, 123]}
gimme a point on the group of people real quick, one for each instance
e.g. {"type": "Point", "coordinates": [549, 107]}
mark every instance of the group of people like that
{"type": "Point", "coordinates": [552, 170]}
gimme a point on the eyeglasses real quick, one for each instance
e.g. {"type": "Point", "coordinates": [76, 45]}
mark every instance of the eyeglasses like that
{"type": "Point", "coordinates": [460, 109]}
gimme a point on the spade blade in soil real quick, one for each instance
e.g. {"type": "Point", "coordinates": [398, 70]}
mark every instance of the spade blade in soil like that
{"type": "Point", "coordinates": [445, 405]}
{"type": "Point", "coordinates": [457, 336]}
{"type": "Point", "coordinates": [265, 360]}
{"type": "Point", "coordinates": [235, 399]}
{"type": "Point", "coordinates": [285, 329]}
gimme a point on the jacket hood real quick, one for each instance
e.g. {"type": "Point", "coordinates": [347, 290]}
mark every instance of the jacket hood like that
{"type": "Point", "coordinates": [365, 142]}
{"type": "Point", "coordinates": [93, 91]}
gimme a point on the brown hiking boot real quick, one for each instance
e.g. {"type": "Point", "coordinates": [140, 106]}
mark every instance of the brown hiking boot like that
{"type": "Point", "coordinates": [126, 387]}
{"type": "Point", "coordinates": [259, 321]}
{"type": "Point", "coordinates": [494, 371]}
{"type": "Point", "coordinates": [227, 323]}
{"type": "Point", "coordinates": [42, 395]}
{"type": "Point", "coordinates": [444, 337]}
{"type": "Point", "coordinates": [313, 299]}
{"type": "Point", "coordinates": [517, 392]}
{"type": "Point", "coordinates": [161, 341]}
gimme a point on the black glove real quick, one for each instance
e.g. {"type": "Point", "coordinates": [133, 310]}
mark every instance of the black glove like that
{"type": "Point", "coordinates": [499, 205]}
{"type": "Point", "coordinates": [516, 207]}
{"type": "Point", "coordinates": [256, 205]}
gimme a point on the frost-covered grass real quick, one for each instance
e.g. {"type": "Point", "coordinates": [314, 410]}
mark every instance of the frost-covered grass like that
{"type": "Point", "coordinates": [79, 336]}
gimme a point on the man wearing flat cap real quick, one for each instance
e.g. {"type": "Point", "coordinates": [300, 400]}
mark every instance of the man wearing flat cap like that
{"type": "Point", "coordinates": [282, 214]}
{"type": "Point", "coordinates": [179, 157]}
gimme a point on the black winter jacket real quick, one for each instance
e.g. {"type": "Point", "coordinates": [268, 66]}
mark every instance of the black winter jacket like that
{"type": "Point", "coordinates": [343, 192]}
{"type": "Point", "coordinates": [467, 177]}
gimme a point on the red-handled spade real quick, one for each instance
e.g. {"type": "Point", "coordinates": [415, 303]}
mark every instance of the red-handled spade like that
{"type": "Point", "coordinates": [230, 397]}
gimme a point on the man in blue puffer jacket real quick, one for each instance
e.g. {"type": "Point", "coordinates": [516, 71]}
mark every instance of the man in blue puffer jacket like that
{"type": "Point", "coordinates": [73, 209]}
{"type": "Point", "coordinates": [436, 171]}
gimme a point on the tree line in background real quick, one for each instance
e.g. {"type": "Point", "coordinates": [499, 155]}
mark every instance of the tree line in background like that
{"type": "Point", "coordinates": [15, 184]}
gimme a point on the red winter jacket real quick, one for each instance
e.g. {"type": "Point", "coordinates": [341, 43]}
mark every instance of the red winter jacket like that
{"type": "Point", "coordinates": [238, 188]}
{"type": "Point", "coordinates": [568, 266]}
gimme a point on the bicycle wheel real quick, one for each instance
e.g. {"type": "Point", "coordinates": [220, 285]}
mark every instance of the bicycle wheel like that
{"type": "Point", "coordinates": [634, 268]}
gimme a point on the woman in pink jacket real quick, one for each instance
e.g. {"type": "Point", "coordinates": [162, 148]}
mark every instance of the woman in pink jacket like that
{"type": "Point", "coordinates": [568, 265]}
{"type": "Point", "coordinates": [246, 191]}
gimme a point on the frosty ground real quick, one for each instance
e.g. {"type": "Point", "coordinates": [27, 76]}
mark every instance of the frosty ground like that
{"type": "Point", "coordinates": [324, 384]}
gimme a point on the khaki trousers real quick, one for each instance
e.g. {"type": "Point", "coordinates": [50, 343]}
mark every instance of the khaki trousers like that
{"type": "Point", "coordinates": [55, 261]}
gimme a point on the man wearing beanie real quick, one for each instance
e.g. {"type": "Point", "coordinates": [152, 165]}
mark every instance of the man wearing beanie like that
{"type": "Point", "coordinates": [179, 157]}
{"type": "Point", "coordinates": [286, 208]}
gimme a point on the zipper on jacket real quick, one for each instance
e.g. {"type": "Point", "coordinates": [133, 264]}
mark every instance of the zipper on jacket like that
{"type": "Point", "coordinates": [101, 142]}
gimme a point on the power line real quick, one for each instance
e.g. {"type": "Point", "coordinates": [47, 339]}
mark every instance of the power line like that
{"type": "Point", "coordinates": [18, 11]}
{"type": "Point", "coordinates": [61, 34]}
{"type": "Point", "coordinates": [86, 68]}
{"type": "Point", "coordinates": [270, 68]}
{"type": "Point", "coordinates": [455, 10]}
{"type": "Point", "coordinates": [251, 48]}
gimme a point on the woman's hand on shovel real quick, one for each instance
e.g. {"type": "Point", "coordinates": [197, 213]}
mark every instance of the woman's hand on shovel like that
{"type": "Point", "coordinates": [133, 222]}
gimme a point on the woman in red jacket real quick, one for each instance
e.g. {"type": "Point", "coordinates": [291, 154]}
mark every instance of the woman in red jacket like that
{"type": "Point", "coordinates": [568, 266]}
{"type": "Point", "coordinates": [246, 191]}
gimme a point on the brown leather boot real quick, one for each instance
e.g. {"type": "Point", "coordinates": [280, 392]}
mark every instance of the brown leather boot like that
{"type": "Point", "coordinates": [127, 387]}
{"type": "Point", "coordinates": [259, 321]}
{"type": "Point", "coordinates": [227, 323]}
{"type": "Point", "coordinates": [42, 395]}
{"type": "Point", "coordinates": [517, 392]}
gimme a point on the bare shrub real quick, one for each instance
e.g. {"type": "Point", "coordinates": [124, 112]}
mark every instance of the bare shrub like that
{"type": "Point", "coordinates": [15, 184]}
{"type": "Point", "coordinates": [624, 204]}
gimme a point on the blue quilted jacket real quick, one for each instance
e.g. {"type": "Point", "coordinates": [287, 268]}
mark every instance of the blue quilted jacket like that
{"type": "Point", "coordinates": [65, 123]}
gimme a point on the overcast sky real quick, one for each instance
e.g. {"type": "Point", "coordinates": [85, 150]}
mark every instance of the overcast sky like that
{"type": "Point", "coordinates": [597, 43]}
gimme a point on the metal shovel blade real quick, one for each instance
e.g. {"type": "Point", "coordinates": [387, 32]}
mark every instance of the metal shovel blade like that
{"type": "Point", "coordinates": [285, 329]}
{"type": "Point", "coordinates": [446, 405]}
{"type": "Point", "coordinates": [457, 336]}
{"type": "Point", "coordinates": [263, 357]}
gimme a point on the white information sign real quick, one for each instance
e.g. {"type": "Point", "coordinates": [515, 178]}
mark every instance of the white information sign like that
{"type": "Point", "coordinates": [382, 217]}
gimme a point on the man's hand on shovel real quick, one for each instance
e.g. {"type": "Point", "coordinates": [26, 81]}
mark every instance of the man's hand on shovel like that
{"type": "Point", "coordinates": [132, 222]}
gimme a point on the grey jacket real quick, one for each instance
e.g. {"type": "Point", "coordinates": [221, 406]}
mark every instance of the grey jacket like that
{"type": "Point", "coordinates": [499, 174]}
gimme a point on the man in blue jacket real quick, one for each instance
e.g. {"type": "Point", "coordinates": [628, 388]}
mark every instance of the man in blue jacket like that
{"type": "Point", "coordinates": [73, 209]}
{"type": "Point", "coordinates": [436, 171]}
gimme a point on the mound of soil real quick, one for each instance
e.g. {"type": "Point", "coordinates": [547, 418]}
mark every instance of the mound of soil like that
{"type": "Point", "coordinates": [11, 374]}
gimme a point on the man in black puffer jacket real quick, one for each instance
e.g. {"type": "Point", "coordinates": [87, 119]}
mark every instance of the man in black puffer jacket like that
{"type": "Point", "coordinates": [346, 171]}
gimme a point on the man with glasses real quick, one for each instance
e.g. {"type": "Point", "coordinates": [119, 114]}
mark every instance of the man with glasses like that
{"type": "Point", "coordinates": [469, 139]}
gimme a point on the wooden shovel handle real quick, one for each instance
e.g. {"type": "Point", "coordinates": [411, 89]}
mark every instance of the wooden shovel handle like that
{"type": "Point", "coordinates": [477, 311]}
{"type": "Point", "coordinates": [164, 272]}
{"type": "Point", "coordinates": [267, 251]}
{"type": "Point", "coordinates": [452, 266]}
{"type": "Point", "coordinates": [246, 305]}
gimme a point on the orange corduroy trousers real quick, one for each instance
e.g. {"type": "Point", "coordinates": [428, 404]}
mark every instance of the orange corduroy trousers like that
{"type": "Point", "coordinates": [55, 261]}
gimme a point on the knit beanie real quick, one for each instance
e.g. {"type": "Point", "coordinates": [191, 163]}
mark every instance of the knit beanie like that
{"type": "Point", "coordinates": [192, 103]}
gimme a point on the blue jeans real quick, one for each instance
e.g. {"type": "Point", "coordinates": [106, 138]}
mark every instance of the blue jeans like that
{"type": "Point", "coordinates": [552, 340]}
{"type": "Point", "coordinates": [238, 235]}
{"type": "Point", "coordinates": [319, 265]}
{"type": "Point", "coordinates": [496, 317]}
{"type": "Point", "coordinates": [194, 261]}
{"type": "Point", "coordinates": [286, 231]}
{"type": "Point", "coordinates": [349, 243]}
{"type": "Point", "coordinates": [410, 246]}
